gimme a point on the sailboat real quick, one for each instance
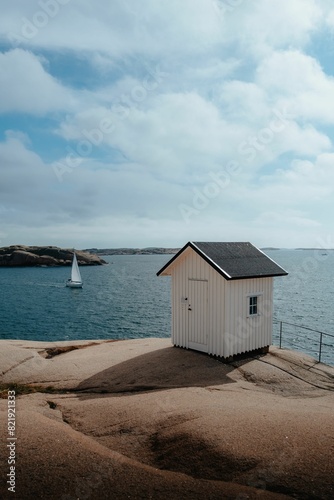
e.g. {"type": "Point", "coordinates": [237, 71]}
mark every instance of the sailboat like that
{"type": "Point", "coordinates": [75, 280]}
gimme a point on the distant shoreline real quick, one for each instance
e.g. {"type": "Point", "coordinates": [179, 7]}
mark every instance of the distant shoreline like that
{"type": "Point", "coordinates": [132, 251]}
{"type": "Point", "coordinates": [49, 256]}
{"type": "Point", "coordinates": [172, 251]}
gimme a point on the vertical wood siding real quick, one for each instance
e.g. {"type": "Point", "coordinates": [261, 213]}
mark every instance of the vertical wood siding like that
{"type": "Point", "coordinates": [230, 330]}
{"type": "Point", "coordinates": [242, 332]}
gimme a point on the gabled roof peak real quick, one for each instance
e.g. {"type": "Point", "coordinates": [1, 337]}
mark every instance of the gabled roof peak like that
{"type": "Point", "coordinates": [233, 260]}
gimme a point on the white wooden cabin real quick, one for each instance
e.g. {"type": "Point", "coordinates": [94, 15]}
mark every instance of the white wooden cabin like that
{"type": "Point", "coordinates": [222, 297]}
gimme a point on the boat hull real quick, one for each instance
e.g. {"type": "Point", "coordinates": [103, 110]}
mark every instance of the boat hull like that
{"type": "Point", "coordinates": [74, 284]}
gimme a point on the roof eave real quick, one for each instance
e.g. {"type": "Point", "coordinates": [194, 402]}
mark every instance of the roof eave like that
{"type": "Point", "coordinates": [170, 262]}
{"type": "Point", "coordinates": [221, 271]}
{"type": "Point", "coordinates": [258, 276]}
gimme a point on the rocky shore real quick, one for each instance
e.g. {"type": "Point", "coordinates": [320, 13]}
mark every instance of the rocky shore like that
{"type": "Point", "coordinates": [142, 419]}
{"type": "Point", "coordinates": [21, 255]}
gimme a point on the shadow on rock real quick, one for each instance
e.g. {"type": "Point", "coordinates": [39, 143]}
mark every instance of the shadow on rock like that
{"type": "Point", "coordinates": [167, 368]}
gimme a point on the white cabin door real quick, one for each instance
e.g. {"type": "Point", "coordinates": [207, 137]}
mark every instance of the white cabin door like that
{"type": "Point", "coordinates": [198, 315]}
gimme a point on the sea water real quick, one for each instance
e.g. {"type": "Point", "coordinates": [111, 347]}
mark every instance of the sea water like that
{"type": "Point", "coordinates": [125, 300]}
{"type": "Point", "coordinates": [305, 297]}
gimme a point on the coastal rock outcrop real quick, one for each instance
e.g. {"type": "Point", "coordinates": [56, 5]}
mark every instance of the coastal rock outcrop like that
{"type": "Point", "coordinates": [21, 255]}
{"type": "Point", "coordinates": [135, 422]}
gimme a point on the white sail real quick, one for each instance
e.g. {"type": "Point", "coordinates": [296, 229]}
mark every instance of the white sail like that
{"type": "Point", "coordinates": [75, 273]}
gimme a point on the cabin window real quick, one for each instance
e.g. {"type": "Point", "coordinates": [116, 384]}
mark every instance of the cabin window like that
{"type": "Point", "coordinates": [253, 303]}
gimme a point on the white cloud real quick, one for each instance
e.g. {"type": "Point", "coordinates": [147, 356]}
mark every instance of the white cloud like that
{"type": "Point", "coordinates": [308, 177]}
{"type": "Point", "coordinates": [150, 24]}
{"type": "Point", "coordinates": [256, 27]}
{"type": "Point", "coordinates": [20, 167]}
{"type": "Point", "coordinates": [299, 81]}
{"type": "Point", "coordinates": [284, 23]}
{"type": "Point", "coordinates": [302, 191]}
{"type": "Point", "coordinates": [175, 133]}
{"type": "Point", "coordinates": [31, 189]}
{"type": "Point", "coordinates": [151, 28]}
{"type": "Point", "coordinates": [233, 81]}
{"type": "Point", "coordinates": [28, 87]}
{"type": "Point", "coordinates": [303, 140]}
{"type": "Point", "coordinates": [243, 102]}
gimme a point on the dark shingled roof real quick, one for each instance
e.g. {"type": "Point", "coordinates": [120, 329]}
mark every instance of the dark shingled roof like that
{"type": "Point", "coordinates": [233, 260]}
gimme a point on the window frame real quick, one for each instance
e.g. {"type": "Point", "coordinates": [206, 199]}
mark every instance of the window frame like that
{"type": "Point", "coordinates": [253, 305]}
{"type": "Point", "coordinates": [254, 308]}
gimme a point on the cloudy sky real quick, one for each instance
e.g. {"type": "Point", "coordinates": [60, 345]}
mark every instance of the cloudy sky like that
{"type": "Point", "coordinates": [151, 122]}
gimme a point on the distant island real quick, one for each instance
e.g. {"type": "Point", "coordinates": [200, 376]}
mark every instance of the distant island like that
{"type": "Point", "coordinates": [45, 256]}
{"type": "Point", "coordinates": [132, 251]}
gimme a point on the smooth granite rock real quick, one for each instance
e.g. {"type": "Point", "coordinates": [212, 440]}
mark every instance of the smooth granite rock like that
{"type": "Point", "coordinates": [21, 255]}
